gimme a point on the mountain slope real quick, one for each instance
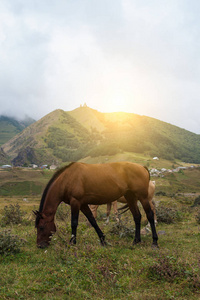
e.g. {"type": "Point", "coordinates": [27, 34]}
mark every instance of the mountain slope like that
{"type": "Point", "coordinates": [9, 127]}
{"type": "Point", "coordinates": [140, 134]}
{"type": "Point", "coordinates": [69, 136]}
{"type": "Point", "coordinates": [51, 139]}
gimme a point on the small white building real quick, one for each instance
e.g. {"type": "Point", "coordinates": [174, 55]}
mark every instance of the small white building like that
{"type": "Point", "coordinates": [6, 166]}
{"type": "Point", "coordinates": [34, 166]}
{"type": "Point", "coordinates": [53, 167]}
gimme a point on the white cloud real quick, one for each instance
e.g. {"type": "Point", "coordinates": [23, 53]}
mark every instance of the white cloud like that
{"type": "Point", "coordinates": [141, 57]}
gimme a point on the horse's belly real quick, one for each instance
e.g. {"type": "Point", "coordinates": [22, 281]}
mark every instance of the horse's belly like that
{"type": "Point", "coordinates": [101, 198]}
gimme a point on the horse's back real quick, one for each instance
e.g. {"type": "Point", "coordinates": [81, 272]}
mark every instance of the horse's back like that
{"type": "Point", "coordinates": [117, 171]}
{"type": "Point", "coordinates": [110, 178]}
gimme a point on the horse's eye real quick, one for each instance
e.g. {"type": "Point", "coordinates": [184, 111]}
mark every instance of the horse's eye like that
{"type": "Point", "coordinates": [41, 227]}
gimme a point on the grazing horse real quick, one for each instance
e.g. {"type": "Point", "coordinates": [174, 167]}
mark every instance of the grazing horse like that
{"type": "Point", "coordinates": [80, 184]}
{"type": "Point", "coordinates": [151, 191]}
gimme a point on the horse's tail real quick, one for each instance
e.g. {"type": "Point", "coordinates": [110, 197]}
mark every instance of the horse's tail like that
{"type": "Point", "coordinates": [124, 209]}
{"type": "Point", "coordinates": [147, 171]}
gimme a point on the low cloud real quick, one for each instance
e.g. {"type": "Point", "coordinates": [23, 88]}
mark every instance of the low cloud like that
{"type": "Point", "coordinates": [128, 56]}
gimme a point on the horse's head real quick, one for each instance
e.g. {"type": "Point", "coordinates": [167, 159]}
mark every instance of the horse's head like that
{"type": "Point", "coordinates": [45, 228]}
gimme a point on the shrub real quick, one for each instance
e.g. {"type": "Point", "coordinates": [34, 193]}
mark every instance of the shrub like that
{"type": "Point", "coordinates": [167, 268]}
{"type": "Point", "coordinates": [123, 230]}
{"type": "Point", "coordinates": [198, 217]}
{"type": "Point", "coordinates": [12, 214]}
{"type": "Point", "coordinates": [196, 202]}
{"type": "Point", "coordinates": [161, 193]}
{"type": "Point", "coordinates": [171, 268]}
{"type": "Point", "coordinates": [9, 243]}
{"type": "Point", "coordinates": [167, 215]}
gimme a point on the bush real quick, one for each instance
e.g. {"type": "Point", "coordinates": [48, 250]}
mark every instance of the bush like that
{"type": "Point", "coordinates": [167, 268]}
{"type": "Point", "coordinates": [167, 215]}
{"type": "Point", "coordinates": [123, 230]}
{"type": "Point", "coordinates": [196, 202]}
{"type": "Point", "coordinates": [161, 193]}
{"type": "Point", "coordinates": [171, 268]}
{"type": "Point", "coordinates": [12, 214]}
{"type": "Point", "coordinates": [198, 217]}
{"type": "Point", "coordinates": [9, 243]}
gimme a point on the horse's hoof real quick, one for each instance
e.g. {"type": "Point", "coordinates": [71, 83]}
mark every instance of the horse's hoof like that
{"type": "Point", "coordinates": [72, 241]}
{"type": "Point", "coordinates": [135, 242]}
{"type": "Point", "coordinates": [103, 242]}
{"type": "Point", "coordinates": [155, 246]}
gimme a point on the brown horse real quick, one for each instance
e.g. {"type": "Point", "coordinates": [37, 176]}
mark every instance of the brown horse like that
{"type": "Point", "coordinates": [80, 184]}
{"type": "Point", "coordinates": [151, 191]}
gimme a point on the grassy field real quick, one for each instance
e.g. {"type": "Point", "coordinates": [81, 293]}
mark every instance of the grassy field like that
{"type": "Point", "coordinates": [117, 271]}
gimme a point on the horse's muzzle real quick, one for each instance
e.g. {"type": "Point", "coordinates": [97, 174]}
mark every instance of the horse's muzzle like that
{"type": "Point", "coordinates": [43, 245]}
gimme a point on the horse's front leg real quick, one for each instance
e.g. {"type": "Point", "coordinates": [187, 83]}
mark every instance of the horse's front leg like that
{"type": "Point", "coordinates": [75, 208]}
{"type": "Point", "coordinates": [87, 212]}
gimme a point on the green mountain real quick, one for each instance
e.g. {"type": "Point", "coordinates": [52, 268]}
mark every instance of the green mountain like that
{"type": "Point", "coordinates": [9, 127]}
{"type": "Point", "coordinates": [70, 136]}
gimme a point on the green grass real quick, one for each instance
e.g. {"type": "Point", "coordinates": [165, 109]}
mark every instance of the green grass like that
{"type": "Point", "coordinates": [88, 270]}
{"type": "Point", "coordinates": [20, 188]}
{"type": "Point", "coordinates": [17, 182]}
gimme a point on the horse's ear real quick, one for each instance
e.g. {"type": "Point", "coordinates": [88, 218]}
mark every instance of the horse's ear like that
{"type": "Point", "coordinates": [37, 213]}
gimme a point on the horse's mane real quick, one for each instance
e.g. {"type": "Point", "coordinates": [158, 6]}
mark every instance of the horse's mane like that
{"type": "Point", "coordinates": [53, 178]}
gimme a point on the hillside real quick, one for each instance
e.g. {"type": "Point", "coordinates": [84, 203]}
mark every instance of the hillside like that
{"type": "Point", "coordinates": [9, 127]}
{"type": "Point", "coordinates": [61, 137]}
{"type": "Point", "coordinates": [52, 139]}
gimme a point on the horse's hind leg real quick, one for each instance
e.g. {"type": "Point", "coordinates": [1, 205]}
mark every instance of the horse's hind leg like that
{"type": "Point", "coordinates": [150, 216]}
{"type": "Point", "coordinates": [132, 202]}
{"type": "Point", "coordinates": [114, 203]}
{"type": "Point", "coordinates": [153, 208]}
{"type": "Point", "coordinates": [93, 209]}
{"type": "Point", "coordinates": [108, 212]}
{"type": "Point", "coordinates": [87, 212]}
{"type": "Point", "coordinates": [75, 208]}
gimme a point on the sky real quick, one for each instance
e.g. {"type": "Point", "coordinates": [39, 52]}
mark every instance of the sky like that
{"type": "Point", "coordinates": [133, 56]}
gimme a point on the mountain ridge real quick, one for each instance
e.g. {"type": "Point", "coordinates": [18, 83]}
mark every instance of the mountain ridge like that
{"type": "Point", "coordinates": [63, 136]}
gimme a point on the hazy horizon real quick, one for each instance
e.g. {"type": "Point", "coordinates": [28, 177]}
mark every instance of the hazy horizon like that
{"type": "Point", "coordinates": [126, 55]}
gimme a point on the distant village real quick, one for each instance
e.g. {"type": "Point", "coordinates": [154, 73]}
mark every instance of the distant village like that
{"type": "Point", "coordinates": [161, 172]}
{"type": "Point", "coordinates": [32, 166]}
{"type": "Point", "coordinates": [153, 171]}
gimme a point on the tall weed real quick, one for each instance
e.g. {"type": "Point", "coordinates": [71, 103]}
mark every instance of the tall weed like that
{"type": "Point", "coordinates": [167, 215]}
{"type": "Point", "coordinates": [173, 269]}
{"type": "Point", "coordinates": [9, 244]}
{"type": "Point", "coordinates": [12, 214]}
